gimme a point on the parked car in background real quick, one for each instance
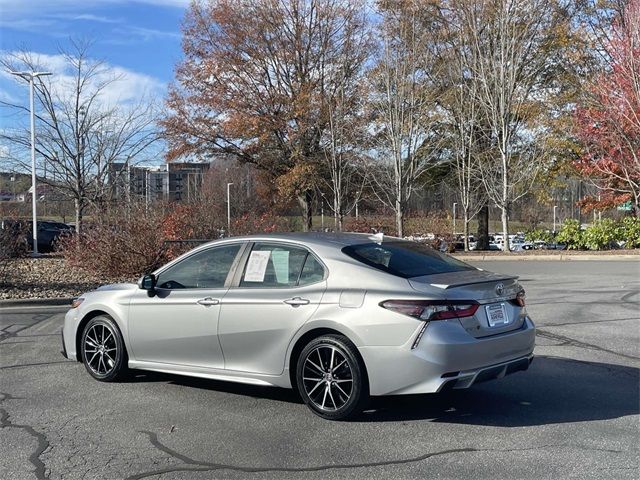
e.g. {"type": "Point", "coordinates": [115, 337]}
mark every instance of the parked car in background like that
{"type": "Point", "coordinates": [339, 317]}
{"type": "Point", "coordinates": [48, 233]}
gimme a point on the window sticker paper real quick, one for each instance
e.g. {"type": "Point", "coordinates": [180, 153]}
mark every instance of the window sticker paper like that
{"type": "Point", "coordinates": [256, 266]}
{"type": "Point", "coordinates": [280, 260]}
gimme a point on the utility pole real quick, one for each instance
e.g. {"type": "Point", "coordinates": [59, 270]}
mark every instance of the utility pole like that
{"type": "Point", "coordinates": [454, 220]}
{"type": "Point", "coordinates": [229, 209]}
{"type": "Point", "coordinates": [30, 76]}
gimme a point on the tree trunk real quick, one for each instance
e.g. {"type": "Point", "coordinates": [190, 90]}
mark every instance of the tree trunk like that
{"type": "Point", "coordinates": [78, 207]}
{"type": "Point", "coordinates": [483, 228]}
{"type": "Point", "coordinates": [465, 232]}
{"type": "Point", "coordinates": [338, 216]}
{"type": "Point", "coordinates": [304, 200]}
{"type": "Point", "coordinates": [399, 219]}
{"type": "Point", "coordinates": [505, 228]}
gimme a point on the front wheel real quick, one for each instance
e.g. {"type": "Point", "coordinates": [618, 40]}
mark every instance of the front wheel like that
{"type": "Point", "coordinates": [331, 378]}
{"type": "Point", "coordinates": [103, 350]}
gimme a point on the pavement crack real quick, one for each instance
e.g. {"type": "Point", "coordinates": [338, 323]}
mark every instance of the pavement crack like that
{"type": "Point", "coordinates": [37, 364]}
{"type": "Point", "coordinates": [201, 466]}
{"type": "Point", "coordinates": [41, 439]}
{"type": "Point", "coordinates": [192, 465]}
{"type": "Point", "coordinates": [572, 342]}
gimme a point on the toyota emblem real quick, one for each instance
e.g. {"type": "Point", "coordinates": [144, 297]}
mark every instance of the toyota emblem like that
{"type": "Point", "coordinates": [500, 289]}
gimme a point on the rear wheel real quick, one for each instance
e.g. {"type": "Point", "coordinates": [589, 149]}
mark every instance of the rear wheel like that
{"type": "Point", "coordinates": [331, 378]}
{"type": "Point", "coordinates": [103, 351]}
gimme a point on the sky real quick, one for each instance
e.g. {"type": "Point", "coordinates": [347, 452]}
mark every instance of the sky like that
{"type": "Point", "coordinates": [140, 39]}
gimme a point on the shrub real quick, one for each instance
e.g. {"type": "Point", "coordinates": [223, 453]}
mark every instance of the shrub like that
{"type": "Point", "coordinates": [601, 235]}
{"type": "Point", "coordinates": [539, 234]}
{"type": "Point", "coordinates": [118, 244]}
{"type": "Point", "coordinates": [13, 243]}
{"type": "Point", "coordinates": [630, 232]}
{"type": "Point", "coordinates": [252, 223]}
{"type": "Point", "coordinates": [370, 224]}
{"type": "Point", "coordinates": [571, 234]}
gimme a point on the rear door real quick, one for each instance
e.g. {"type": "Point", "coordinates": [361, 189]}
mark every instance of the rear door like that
{"type": "Point", "coordinates": [277, 291]}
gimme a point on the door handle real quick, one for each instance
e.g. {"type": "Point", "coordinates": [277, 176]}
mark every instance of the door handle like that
{"type": "Point", "coordinates": [208, 301]}
{"type": "Point", "coordinates": [296, 301]}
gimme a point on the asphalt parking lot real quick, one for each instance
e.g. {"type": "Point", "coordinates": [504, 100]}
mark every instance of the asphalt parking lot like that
{"type": "Point", "coordinates": [573, 414]}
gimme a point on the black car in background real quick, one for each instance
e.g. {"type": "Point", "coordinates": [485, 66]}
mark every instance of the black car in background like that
{"type": "Point", "coordinates": [48, 232]}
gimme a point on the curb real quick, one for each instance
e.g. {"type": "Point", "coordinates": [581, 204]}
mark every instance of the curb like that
{"type": "Point", "coordinates": [550, 258]}
{"type": "Point", "coordinates": [35, 302]}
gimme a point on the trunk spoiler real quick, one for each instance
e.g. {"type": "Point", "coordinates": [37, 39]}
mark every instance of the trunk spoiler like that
{"type": "Point", "coordinates": [445, 281]}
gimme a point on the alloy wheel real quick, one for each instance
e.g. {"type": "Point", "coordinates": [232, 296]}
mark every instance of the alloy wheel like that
{"type": "Point", "coordinates": [327, 378]}
{"type": "Point", "coordinates": [100, 349]}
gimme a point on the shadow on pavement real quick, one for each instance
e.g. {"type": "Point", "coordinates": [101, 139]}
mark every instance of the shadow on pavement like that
{"type": "Point", "coordinates": [255, 391]}
{"type": "Point", "coordinates": [553, 390]}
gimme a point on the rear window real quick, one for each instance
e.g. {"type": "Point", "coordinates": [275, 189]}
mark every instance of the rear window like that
{"type": "Point", "coordinates": [405, 259]}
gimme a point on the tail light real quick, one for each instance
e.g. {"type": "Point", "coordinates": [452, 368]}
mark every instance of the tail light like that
{"type": "Point", "coordinates": [428, 310]}
{"type": "Point", "coordinates": [520, 297]}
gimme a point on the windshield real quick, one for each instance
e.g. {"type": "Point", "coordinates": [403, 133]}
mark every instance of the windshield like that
{"type": "Point", "coordinates": [405, 259]}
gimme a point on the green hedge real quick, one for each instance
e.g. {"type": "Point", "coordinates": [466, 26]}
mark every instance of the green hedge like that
{"type": "Point", "coordinates": [600, 235]}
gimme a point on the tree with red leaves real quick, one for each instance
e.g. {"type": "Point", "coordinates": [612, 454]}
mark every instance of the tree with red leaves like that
{"type": "Point", "coordinates": [608, 123]}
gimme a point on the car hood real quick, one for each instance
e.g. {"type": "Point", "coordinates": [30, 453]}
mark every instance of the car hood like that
{"type": "Point", "coordinates": [117, 286]}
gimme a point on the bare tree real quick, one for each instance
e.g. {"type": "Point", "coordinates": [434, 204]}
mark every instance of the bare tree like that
{"type": "Point", "coordinates": [79, 134]}
{"type": "Point", "coordinates": [343, 153]}
{"type": "Point", "coordinates": [405, 107]}
{"type": "Point", "coordinates": [513, 43]}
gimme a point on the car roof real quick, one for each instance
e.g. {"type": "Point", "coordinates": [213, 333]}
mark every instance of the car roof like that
{"type": "Point", "coordinates": [319, 239]}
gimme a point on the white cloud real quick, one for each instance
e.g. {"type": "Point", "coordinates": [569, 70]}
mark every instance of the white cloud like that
{"type": "Point", "coordinates": [54, 17]}
{"type": "Point", "coordinates": [128, 88]}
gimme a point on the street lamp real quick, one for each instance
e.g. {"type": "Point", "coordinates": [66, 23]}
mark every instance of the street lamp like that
{"type": "Point", "coordinates": [229, 209]}
{"type": "Point", "coordinates": [30, 76]}
{"type": "Point", "coordinates": [554, 219]}
{"type": "Point", "coordinates": [454, 219]}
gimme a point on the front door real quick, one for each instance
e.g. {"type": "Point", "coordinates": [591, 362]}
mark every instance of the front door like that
{"type": "Point", "coordinates": [280, 289]}
{"type": "Point", "coordinates": [179, 325]}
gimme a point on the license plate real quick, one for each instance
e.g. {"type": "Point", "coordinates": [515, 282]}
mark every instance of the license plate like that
{"type": "Point", "coordinates": [497, 315]}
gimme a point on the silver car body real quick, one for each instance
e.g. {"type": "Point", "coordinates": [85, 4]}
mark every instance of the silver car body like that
{"type": "Point", "coordinates": [251, 335]}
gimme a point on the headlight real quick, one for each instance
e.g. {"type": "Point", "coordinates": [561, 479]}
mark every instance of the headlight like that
{"type": "Point", "coordinates": [75, 303]}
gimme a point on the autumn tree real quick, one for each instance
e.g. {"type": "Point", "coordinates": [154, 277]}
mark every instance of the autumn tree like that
{"type": "Point", "coordinates": [79, 131]}
{"type": "Point", "coordinates": [608, 122]}
{"type": "Point", "coordinates": [256, 82]}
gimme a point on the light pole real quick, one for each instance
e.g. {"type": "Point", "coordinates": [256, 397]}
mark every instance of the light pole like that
{"type": "Point", "coordinates": [30, 76]}
{"type": "Point", "coordinates": [554, 219]}
{"type": "Point", "coordinates": [454, 219]}
{"type": "Point", "coordinates": [229, 209]}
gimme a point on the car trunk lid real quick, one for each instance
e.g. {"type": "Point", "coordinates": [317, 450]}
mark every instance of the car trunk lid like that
{"type": "Point", "coordinates": [498, 312]}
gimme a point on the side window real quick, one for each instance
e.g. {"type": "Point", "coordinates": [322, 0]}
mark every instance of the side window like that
{"type": "Point", "coordinates": [205, 269]}
{"type": "Point", "coordinates": [312, 272]}
{"type": "Point", "coordinates": [273, 266]}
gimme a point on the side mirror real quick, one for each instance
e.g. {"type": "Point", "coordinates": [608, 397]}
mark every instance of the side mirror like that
{"type": "Point", "coordinates": [148, 283]}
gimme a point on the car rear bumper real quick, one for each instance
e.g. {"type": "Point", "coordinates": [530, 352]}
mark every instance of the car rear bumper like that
{"type": "Point", "coordinates": [447, 356]}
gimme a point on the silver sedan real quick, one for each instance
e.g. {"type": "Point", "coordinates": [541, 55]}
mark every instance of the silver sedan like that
{"type": "Point", "coordinates": [339, 317]}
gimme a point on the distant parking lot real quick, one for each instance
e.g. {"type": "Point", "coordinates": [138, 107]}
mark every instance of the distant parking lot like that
{"type": "Point", "coordinates": [574, 414]}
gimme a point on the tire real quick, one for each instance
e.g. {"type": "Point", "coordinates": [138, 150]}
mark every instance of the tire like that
{"type": "Point", "coordinates": [102, 350]}
{"type": "Point", "coordinates": [331, 378]}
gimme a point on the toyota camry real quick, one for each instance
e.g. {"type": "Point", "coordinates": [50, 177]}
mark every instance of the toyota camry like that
{"type": "Point", "coordinates": [338, 317]}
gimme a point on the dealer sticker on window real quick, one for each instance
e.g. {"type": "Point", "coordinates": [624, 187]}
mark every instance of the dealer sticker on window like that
{"type": "Point", "coordinates": [496, 314]}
